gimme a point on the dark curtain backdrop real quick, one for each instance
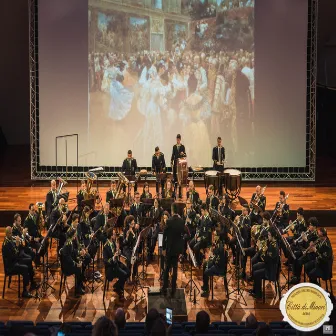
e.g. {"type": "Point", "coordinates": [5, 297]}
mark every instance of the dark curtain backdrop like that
{"type": "Point", "coordinates": [14, 69]}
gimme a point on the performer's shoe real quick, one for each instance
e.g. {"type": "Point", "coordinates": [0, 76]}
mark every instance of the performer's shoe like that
{"type": "Point", "coordinates": [205, 293]}
{"type": "Point", "coordinates": [26, 294]}
{"type": "Point", "coordinates": [294, 281]}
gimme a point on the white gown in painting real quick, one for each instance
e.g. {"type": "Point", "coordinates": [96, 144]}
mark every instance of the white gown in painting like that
{"type": "Point", "coordinates": [121, 98]}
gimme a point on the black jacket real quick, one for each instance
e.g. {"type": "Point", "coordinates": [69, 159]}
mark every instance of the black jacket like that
{"type": "Point", "coordinates": [194, 195]}
{"type": "Point", "coordinates": [215, 157]}
{"type": "Point", "coordinates": [69, 257]}
{"type": "Point", "coordinates": [129, 166]}
{"type": "Point", "coordinates": [283, 220]}
{"type": "Point", "coordinates": [158, 163]}
{"type": "Point", "coordinates": [192, 225]}
{"type": "Point", "coordinates": [31, 223]}
{"type": "Point", "coordinates": [212, 202]}
{"type": "Point", "coordinates": [100, 221]}
{"type": "Point", "coordinates": [261, 203]}
{"type": "Point", "coordinates": [137, 211]}
{"type": "Point", "coordinates": [156, 214]}
{"type": "Point", "coordinates": [176, 154]}
{"type": "Point", "coordinates": [49, 204]}
{"type": "Point", "coordinates": [173, 234]}
{"type": "Point", "coordinates": [204, 229]}
{"type": "Point", "coordinates": [108, 256]}
{"type": "Point", "coordinates": [271, 260]}
{"type": "Point", "coordinates": [110, 195]}
{"type": "Point", "coordinates": [10, 254]}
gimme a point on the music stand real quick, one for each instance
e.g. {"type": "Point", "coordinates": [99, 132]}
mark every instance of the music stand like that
{"type": "Point", "coordinates": [191, 283]}
{"type": "Point", "coordinates": [89, 202]}
{"type": "Point", "coordinates": [148, 203]}
{"type": "Point", "coordinates": [137, 283]}
{"type": "Point", "coordinates": [166, 203]}
{"type": "Point", "coordinates": [180, 206]}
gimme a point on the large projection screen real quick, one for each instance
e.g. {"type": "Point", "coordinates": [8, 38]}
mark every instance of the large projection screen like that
{"type": "Point", "coordinates": [132, 74]}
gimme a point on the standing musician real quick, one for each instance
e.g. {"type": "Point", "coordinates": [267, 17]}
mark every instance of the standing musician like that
{"type": "Point", "coordinates": [14, 264]}
{"type": "Point", "coordinates": [101, 224]}
{"type": "Point", "coordinates": [129, 167]}
{"type": "Point", "coordinates": [192, 194]}
{"type": "Point", "coordinates": [155, 213]}
{"type": "Point", "coordinates": [259, 238]}
{"type": "Point", "coordinates": [178, 153]}
{"type": "Point", "coordinates": [158, 166]}
{"type": "Point", "coordinates": [268, 266]}
{"type": "Point", "coordinates": [58, 219]}
{"type": "Point", "coordinates": [145, 192]}
{"type": "Point", "coordinates": [172, 247]}
{"type": "Point", "coordinates": [320, 267]}
{"type": "Point", "coordinates": [51, 198]}
{"type": "Point", "coordinates": [163, 224]}
{"type": "Point", "coordinates": [112, 193]}
{"type": "Point", "coordinates": [71, 264]}
{"type": "Point", "coordinates": [81, 196]}
{"type": "Point", "coordinates": [114, 268]}
{"type": "Point", "coordinates": [212, 201]}
{"type": "Point", "coordinates": [85, 233]}
{"type": "Point", "coordinates": [258, 198]}
{"type": "Point", "coordinates": [243, 223]}
{"type": "Point", "coordinates": [203, 234]}
{"type": "Point", "coordinates": [303, 242]}
{"type": "Point", "coordinates": [25, 250]}
{"type": "Point", "coordinates": [31, 224]}
{"type": "Point", "coordinates": [131, 233]}
{"type": "Point", "coordinates": [189, 217]}
{"type": "Point", "coordinates": [281, 211]}
{"type": "Point", "coordinates": [169, 191]}
{"type": "Point", "coordinates": [217, 262]}
{"type": "Point", "coordinates": [218, 157]}
{"type": "Point", "coordinates": [137, 209]}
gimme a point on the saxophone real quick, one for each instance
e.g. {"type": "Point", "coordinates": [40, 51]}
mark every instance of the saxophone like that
{"type": "Point", "coordinates": [41, 221]}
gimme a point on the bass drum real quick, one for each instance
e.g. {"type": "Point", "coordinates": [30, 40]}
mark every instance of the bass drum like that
{"type": "Point", "coordinates": [211, 178]}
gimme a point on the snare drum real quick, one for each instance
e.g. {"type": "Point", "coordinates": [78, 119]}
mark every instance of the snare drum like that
{"type": "Point", "coordinates": [211, 177]}
{"type": "Point", "coordinates": [232, 182]}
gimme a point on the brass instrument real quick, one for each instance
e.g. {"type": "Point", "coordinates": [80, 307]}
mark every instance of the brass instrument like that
{"type": "Point", "coordinates": [122, 182]}
{"type": "Point", "coordinates": [315, 243]}
{"type": "Point", "coordinates": [89, 192]}
{"type": "Point", "coordinates": [255, 231]}
{"type": "Point", "coordinates": [41, 221]}
{"type": "Point", "coordinates": [256, 198]}
{"type": "Point", "coordinates": [61, 184]}
{"type": "Point", "coordinates": [299, 240]}
{"type": "Point", "coordinates": [290, 226]}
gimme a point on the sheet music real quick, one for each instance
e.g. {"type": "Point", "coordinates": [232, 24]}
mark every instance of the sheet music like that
{"type": "Point", "coordinates": [134, 250]}
{"type": "Point", "coordinates": [192, 256]}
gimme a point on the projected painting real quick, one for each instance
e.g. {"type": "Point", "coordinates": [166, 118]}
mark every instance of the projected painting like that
{"type": "Point", "coordinates": [152, 76]}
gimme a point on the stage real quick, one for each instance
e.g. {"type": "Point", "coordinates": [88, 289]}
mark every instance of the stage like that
{"type": "Point", "coordinates": [317, 201]}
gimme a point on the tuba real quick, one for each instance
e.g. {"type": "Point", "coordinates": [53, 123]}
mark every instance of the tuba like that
{"type": "Point", "coordinates": [90, 178]}
{"type": "Point", "coordinates": [61, 184]}
{"type": "Point", "coordinates": [40, 208]}
{"type": "Point", "coordinates": [122, 182]}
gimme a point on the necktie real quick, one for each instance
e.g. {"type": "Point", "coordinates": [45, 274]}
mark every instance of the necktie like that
{"type": "Point", "coordinates": [219, 155]}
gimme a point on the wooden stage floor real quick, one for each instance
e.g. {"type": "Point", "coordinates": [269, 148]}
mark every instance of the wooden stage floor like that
{"type": "Point", "coordinates": [91, 306]}
{"type": "Point", "coordinates": [309, 197]}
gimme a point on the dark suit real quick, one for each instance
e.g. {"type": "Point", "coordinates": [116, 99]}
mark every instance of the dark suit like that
{"type": "Point", "coordinates": [138, 211]}
{"type": "Point", "coordinates": [176, 154]}
{"type": "Point", "coordinates": [173, 245]}
{"type": "Point", "coordinates": [212, 202]}
{"type": "Point", "coordinates": [80, 198]}
{"type": "Point", "coordinates": [194, 196]}
{"type": "Point", "coordinates": [51, 198]}
{"type": "Point", "coordinates": [99, 226]}
{"type": "Point", "coordinates": [159, 166]}
{"type": "Point", "coordinates": [129, 167]}
{"type": "Point", "coordinates": [110, 195]}
{"type": "Point", "coordinates": [218, 155]}
{"type": "Point", "coordinates": [31, 223]}
{"type": "Point", "coordinates": [282, 220]}
{"type": "Point", "coordinates": [255, 216]}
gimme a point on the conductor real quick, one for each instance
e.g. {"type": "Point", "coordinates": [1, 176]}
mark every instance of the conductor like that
{"type": "Point", "coordinates": [172, 247]}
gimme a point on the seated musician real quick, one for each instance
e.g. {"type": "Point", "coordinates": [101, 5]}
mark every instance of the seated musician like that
{"type": "Point", "coordinates": [169, 191]}
{"type": "Point", "coordinates": [131, 233]}
{"type": "Point", "coordinates": [229, 211]}
{"type": "Point", "coordinates": [137, 209]}
{"type": "Point", "coordinates": [145, 192]}
{"type": "Point", "coordinates": [155, 213]}
{"type": "Point", "coordinates": [58, 220]}
{"type": "Point", "coordinates": [282, 212]}
{"type": "Point", "coordinates": [85, 233]}
{"type": "Point", "coordinates": [302, 243]}
{"type": "Point", "coordinates": [203, 234]}
{"type": "Point", "coordinates": [259, 237]}
{"type": "Point", "coordinates": [14, 264]}
{"type": "Point", "coordinates": [31, 224]}
{"type": "Point", "coordinates": [193, 195]}
{"type": "Point", "coordinates": [81, 196]}
{"type": "Point", "coordinates": [218, 157]}
{"type": "Point", "coordinates": [297, 227]}
{"type": "Point", "coordinates": [129, 167]}
{"type": "Point", "coordinates": [113, 268]}
{"type": "Point", "coordinates": [268, 266]}
{"type": "Point", "coordinates": [102, 221]}
{"type": "Point", "coordinates": [25, 249]}
{"type": "Point", "coordinates": [212, 201]}
{"type": "Point", "coordinates": [177, 153]}
{"type": "Point", "coordinates": [158, 166]}
{"type": "Point", "coordinates": [243, 224]}
{"type": "Point", "coordinates": [190, 220]}
{"type": "Point", "coordinates": [320, 267]}
{"type": "Point", "coordinates": [217, 262]}
{"type": "Point", "coordinates": [51, 198]}
{"type": "Point", "coordinates": [260, 200]}
{"type": "Point", "coordinates": [71, 264]}
{"type": "Point", "coordinates": [112, 193]}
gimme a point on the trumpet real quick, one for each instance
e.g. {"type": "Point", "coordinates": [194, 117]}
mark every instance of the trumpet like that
{"type": "Point", "coordinates": [299, 240]}
{"type": "Point", "coordinates": [311, 246]}
{"type": "Point", "coordinates": [290, 226]}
